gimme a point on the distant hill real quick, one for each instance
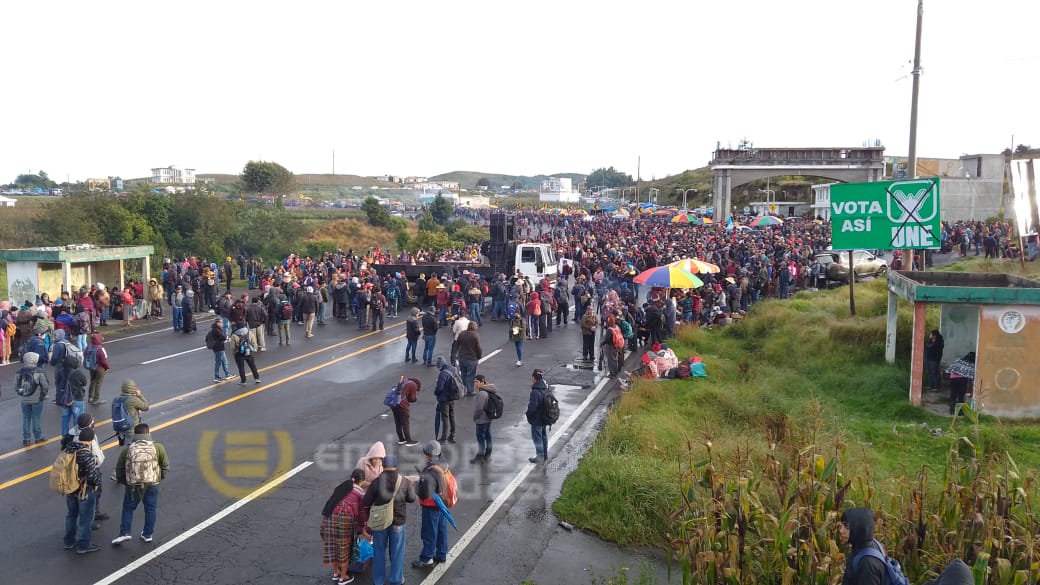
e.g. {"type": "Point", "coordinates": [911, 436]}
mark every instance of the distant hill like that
{"type": "Point", "coordinates": [311, 180]}
{"type": "Point", "coordinates": [468, 179]}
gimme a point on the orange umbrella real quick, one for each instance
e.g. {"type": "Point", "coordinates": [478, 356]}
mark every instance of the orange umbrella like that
{"type": "Point", "coordinates": [696, 266]}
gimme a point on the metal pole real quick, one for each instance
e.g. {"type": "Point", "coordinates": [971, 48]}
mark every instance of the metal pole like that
{"type": "Point", "coordinates": [912, 153]}
{"type": "Point", "coordinates": [639, 177]}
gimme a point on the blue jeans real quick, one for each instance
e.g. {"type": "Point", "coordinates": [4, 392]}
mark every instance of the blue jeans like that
{"type": "Point", "coordinates": [541, 441]}
{"type": "Point", "coordinates": [133, 496]}
{"type": "Point", "coordinates": [31, 418]}
{"type": "Point", "coordinates": [220, 363]}
{"type": "Point", "coordinates": [409, 349]}
{"type": "Point", "coordinates": [519, 350]}
{"type": "Point", "coordinates": [468, 370]}
{"type": "Point", "coordinates": [429, 342]}
{"type": "Point", "coordinates": [79, 518]}
{"type": "Point", "coordinates": [444, 316]}
{"type": "Point", "coordinates": [474, 313]}
{"type": "Point", "coordinates": [498, 309]}
{"type": "Point", "coordinates": [434, 534]}
{"type": "Point", "coordinates": [389, 541]}
{"type": "Point", "coordinates": [77, 409]}
{"type": "Point", "coordinates": [227, 323]}
{"type": "Point", "coordinates": [178, 318]}
{"type": "Point", "coordinates": [66, 416]}
{"type": "Point", "coordinates": [484, 439]}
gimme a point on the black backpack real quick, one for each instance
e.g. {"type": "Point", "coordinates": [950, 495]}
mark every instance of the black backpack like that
{"type": "Point", "coordinates": [456, 383]}
{"type": "Point", "coordinates": [494, 405]}
{"type": "Point", "coordinates": [550, 408]}
{"type": "Point", "coordinates": [24, 384]}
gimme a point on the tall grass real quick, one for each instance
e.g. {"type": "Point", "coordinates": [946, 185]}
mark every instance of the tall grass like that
{"type": "Point", "coordinates": [743, 475]}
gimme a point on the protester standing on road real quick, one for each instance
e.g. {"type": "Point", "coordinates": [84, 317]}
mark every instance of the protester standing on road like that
{"type": "Point", "coordinates": [588, 333]}
{"type": "Point", "coordinates": [933, 352]}
{"type": "Point", "coordinates": [135, 405]}
{"type": "Point", "coordinates": [460, 324]}
{"type": "Point", "coordinates": [243, 344]}
{"type": "Point", "coordinates": [434, 522]}
{"type": "Point", "coordinates": [308, 306]}
{"type": "Point", "coordinates": [481, 418]}
{"type": "Point", "coordinates": [215, 340]}
{"type": "Point", "coordinates": [412, 331]}
{"type": "Point", "coordinates": [81, 504]}
{"type": "Point", "coordinates": [517, 334]}
{"type": "Point", "coordinates": [402, 412]}
{"type": "Point", "coordinates": [429, 331]}
{"type": "Point", "coordinates": [256, 319]}
{"type": "Point", "coordinates": [342, 521]}
{"type": "Point", "coordinates": [32, 404]}
{"type": "Point", "coordinates": [187, 315]}
{"type": "Point", "coordinates": [141, 466]}
{"type": "Point", "coordinates": [390, 485]}
{"type": "Point", "coordinates": [95, 359]}
{"type": "Point", "coordinates": [78, 390]}
{"type": "Point", "coordinates": [534, 417]}
{"type": "Point", "coordinates": [447, 394]}
{"type": "Point", "coordinates": [470, 353]}
{"type": "Point", "coordinates": [377, 308]}
{"type": "Point", "coordinates": [177, 304]}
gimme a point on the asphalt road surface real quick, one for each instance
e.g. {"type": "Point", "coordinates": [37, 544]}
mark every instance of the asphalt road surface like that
{"type": "Point", "coordinates": [251, 466]}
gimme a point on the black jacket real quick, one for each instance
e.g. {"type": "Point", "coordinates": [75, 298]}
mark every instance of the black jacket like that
{"type": "Point", "coordinates": [382, 489]}
{"type": "Point", "coordinates": [869, 571]}
{"type": "Point", "coordinates": [429, 324]}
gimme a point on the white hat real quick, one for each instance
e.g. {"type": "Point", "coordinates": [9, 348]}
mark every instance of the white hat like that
{"type": "Point", "coordinates": [310, 289]}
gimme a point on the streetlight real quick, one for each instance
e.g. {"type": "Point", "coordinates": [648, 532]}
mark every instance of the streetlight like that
{"type": "Point", "coordinates": [624, 191]}
{"type": "Point", "coordinates": [652, 192]}
{"type": "Point", "coordinates": [684, 197]}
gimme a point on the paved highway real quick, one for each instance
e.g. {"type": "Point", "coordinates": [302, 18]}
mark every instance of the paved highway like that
{"type": "Point", "coordinates": [251, 466]}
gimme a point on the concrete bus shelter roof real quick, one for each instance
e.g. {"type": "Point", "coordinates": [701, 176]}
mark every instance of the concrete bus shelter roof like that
{"type": "Point", "coordinates": [76, 253]}
{"type": "Point", "coordinates": [978, 288]}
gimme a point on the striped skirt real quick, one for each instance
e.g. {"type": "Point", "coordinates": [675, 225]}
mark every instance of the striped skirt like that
{"type": "Point", "coordinates": [337, 535]}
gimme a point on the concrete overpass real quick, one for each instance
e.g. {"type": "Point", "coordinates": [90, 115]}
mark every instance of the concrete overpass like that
{"type": "Point", "coordinates": [735, 167]}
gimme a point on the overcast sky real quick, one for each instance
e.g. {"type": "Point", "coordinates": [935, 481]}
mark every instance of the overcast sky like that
{"type": "Point", "coordinates": [93, 89]}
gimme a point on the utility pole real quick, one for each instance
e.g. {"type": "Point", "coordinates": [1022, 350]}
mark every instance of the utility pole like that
{"type": "Point", "coordinates": [333, 161]}
{"type": "Point", "coordinates": [639, 179]}
{"type": "Point", "coordinates": [912, 153]}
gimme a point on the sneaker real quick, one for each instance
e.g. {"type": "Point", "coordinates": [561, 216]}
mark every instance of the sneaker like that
{"type": "Point", "coordinates": [242, 383]}
{"type": "Point", "coordinates": [101, 516]}
{"type": "Point", "coordinates": [88, 550]}
{"type": "Point", "coordinates": [26, 443]}
{"type": "Point", "coordinates": [217, 380]}
{"type": "Point", "coordinates": [402, 442]}
{"type": "Point", "coordinates": [345, 580]}
{"type": "Point", "coordinates": [422, 564]}
{"type": "Point", "coordinates": [121, 539]}
{"type": "Point", "coordinates": [534, 460]}
{"type": "Point", "coordinates": [519, 363]}
{"type": "Point", "coordinates": [69, 546]}
{"type": "Point", "coordinates": [146, 538]}
{"type": "Point", "coordinates": [258, 380]}
{"type": "Point", "coordinates": [411, 443]}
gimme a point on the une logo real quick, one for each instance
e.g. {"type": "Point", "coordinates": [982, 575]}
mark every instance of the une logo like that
{"type": "Point", "coordinates": [913, 201]}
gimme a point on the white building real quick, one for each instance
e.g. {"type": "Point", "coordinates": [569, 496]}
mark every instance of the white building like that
{"type": "Point", "coordinates": [173, 176]}
{"type": "Point", "coordinates": [821, 206]}
{"type": "Point", "coordinates": [558, 189]}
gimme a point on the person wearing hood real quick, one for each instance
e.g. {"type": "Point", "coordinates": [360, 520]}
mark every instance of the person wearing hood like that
{"type": "Point", "coordinates": [956, 573]}
{"type": "Point", "coordinates": [60, 349]}
{"type": "Point", "coordinates": [481, 419]}
{"type": "Point", "coordinates": [97, 375]}
{"type": "Point", "coordinates": [155, 297]}
{"type": "Point", "coordinates": [215, 340]}
{"type": "Point", "coordinates": [73, 396]}
{"type": "Point", "coordinates": [412, 331]}
{"type": "Point", "coordinates": [534, 417]}
{"type": "Point", "coordinates": [857, 527]}
{"type": "Point", "coordinates": [243, 345]}
{"type": "Point", "coordinates": [141, 466]}
{"type": "Point", "coordinates": [32, 404]}
{"type": "Point", "coordinates": [35, 344]}
{"type": "Point", "coordinates": [135, 405]}
{"type": "Point", "coordinates": [444, 421]}
{"type": "Point", "coordinates": [187, 308]}
{"type": "Point", "coordinates": [372, 462]}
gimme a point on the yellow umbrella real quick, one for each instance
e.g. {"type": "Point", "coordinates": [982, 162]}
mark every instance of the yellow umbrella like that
{"type": "Point", "coordinates": [696, 266]}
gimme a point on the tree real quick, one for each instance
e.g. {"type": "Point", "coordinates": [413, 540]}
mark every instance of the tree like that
{"type": "Point", "coordinates": [377, 214]}
{"type": "Point", "coordinates": [442, 210]}
{"type": "Point", "coordinates": [260, 177]}
{"type": "Point", "coordinates": [516, 186]}
{"type": "Point", "coordinates": [426, 222]}
{"type": "Point", "coordinates": [484, 182]}
{"type": "Point", "coordinates": [609, 177]}
{"type": "Point", "coordinates": [1020, 149]}
{"type": "Point", "coordinates": [32, 181]}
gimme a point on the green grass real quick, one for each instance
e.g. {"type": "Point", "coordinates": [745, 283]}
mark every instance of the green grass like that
{"type": "Point", "coordinates": [770, 379]}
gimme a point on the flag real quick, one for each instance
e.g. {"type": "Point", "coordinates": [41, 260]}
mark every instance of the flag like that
{"type": "Point", "coordinates": [729, 224]}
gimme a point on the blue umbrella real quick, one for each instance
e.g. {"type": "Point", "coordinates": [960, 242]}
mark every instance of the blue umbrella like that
{"type": "Point", "coordinates": [444, 508]}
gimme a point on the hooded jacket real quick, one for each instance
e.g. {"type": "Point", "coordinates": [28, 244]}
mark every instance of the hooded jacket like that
{"type": "Point", "coordinates": [534, 403]}
{"type": "Point", "coordinates": [135, 404]}
{"type": "Point", "coordinates": [956, 573]}
{"type": "Point", "coordinates": [869, 571]}
{"type": "Point", "coordinates": [371, 468]}
{"type": "Point", "coordinates": [31, 362]}
{"type": "Point", "coordinates": [160, 453]}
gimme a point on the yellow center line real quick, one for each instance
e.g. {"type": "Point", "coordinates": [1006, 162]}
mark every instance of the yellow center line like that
{"type": "Point", "coordinates": [221, 404]}
{"type": "Point", "coordinates": [190, 393]}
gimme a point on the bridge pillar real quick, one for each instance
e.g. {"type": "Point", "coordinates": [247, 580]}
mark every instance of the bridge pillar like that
{"type": "Point", "coordinates": [722, 198]}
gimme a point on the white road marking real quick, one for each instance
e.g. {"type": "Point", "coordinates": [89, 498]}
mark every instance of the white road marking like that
{"type": "Point", "coordinates": [165, 547]}
{"type": "Point", "coordinates": [439, 570]}
{"type": "Point", "coordinates": [490, 355]}
{"type": "Point", "coordinates": [165, 329]}
{"type": "Point", "coordinates": [172, 355]}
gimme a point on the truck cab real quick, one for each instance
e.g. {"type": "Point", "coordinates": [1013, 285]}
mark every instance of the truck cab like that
{"type": "Point", "coordinates": [536, 261]}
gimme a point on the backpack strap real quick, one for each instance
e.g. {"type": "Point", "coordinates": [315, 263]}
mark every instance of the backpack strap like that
{"type": "Point", "coordinates": [877, 551]}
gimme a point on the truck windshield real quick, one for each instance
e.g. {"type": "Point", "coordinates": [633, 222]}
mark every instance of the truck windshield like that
{"type": "Point", "coordinates": [527, 254]}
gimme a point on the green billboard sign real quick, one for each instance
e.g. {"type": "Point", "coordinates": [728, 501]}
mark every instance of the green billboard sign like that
{"type": "Point", "coordinates": [886, 215]}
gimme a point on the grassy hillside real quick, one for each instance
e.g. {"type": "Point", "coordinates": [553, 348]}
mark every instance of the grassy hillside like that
{"type": "Point", "coordinates": [468, 179]}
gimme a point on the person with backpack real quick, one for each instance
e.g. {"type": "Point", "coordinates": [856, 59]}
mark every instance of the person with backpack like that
{"type": "Point", "coordinates": [430, 325]}
{"type": "Point", "coordinates": [95, 360]}
{"type": "Point", "coordinates": [589, 323]}
{"type": "Point", "coordinates": [141, 466]}
{"type": "Point", "coordinates": [412, 331]}
{"type": "Point", "coordinates": [486, 408]}
{"type": "Point", "coordinates": [612, 347]}
{"type": "Point", "coordinates": [386, 499]}
{"type": "Point", "coordinates": [540, 415]}
{"type": "Point", "coordinates": [447, 391]}
{"type": "Point", "coordinates": [127, 413]}
{"type": "Point", "coordinates": [32, 385]}
{"type": "Point", "coordinates": [81, 503]}
{"type": "Point", "coordinates": [377, 309]}
{"type": "Point", "coordinates": [283, 317]}
{"type": "Point", "coordinates": [215, 341]}
{"type": "Point", "coordinates": [243, 344]}
{"type": "Point", "coordinates": [187, 312]}
{"type": "Point", "coordinates": [65, 357]}
{"type": "Point", "coordinates": [343, 521]}
{"type": "Point", "coordinates": [857, 528]}
{"type": "Point", "coordinates": [518, 334]}
{"type": "Point", "coordinates": [433, 479]}
{"type": "Point", "coordinates": [401, 397]}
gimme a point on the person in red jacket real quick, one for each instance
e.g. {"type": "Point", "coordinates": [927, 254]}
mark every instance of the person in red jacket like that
{"type": "Point", "coordinates": [402, 416]}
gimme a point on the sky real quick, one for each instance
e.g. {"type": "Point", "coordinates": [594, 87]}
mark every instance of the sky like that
{"type": "Point", "coordinates": [97, 89]}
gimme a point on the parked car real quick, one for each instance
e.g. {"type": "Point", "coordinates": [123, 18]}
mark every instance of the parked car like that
{"type": "Point", "coordinates": [835, 264]}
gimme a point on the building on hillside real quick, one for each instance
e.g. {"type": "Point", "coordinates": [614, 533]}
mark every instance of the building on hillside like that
{"type": "Point", "coordinates": [474, 200]}
{"type": "Point", "coordinates": [558, 190]}
{"type": "Point", "coordinates": [173, 175]}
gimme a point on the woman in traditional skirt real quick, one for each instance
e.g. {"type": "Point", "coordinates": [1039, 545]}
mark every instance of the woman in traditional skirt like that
{"type": "Point", "coordinates": [343, 518]}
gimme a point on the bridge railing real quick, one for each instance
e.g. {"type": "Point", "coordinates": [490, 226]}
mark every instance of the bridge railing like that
{"type": "Point", "coordinates": [798, 156]}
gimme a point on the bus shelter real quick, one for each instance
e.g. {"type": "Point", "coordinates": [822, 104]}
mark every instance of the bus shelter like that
{"type": "Point", "coordinates": [52, 270]}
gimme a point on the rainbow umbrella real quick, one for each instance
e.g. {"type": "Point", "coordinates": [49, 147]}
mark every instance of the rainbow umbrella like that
{"type": "Point", "coordinates": [765, 221]}
{"type": "Point", "coordinates": [669, 277]}
{"type": "Point", "coordinates": [704, 221]}
{"type": "Point", "coordinates": [696, 266]}
{"type": "Point", "coordinates": [684, 218]}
